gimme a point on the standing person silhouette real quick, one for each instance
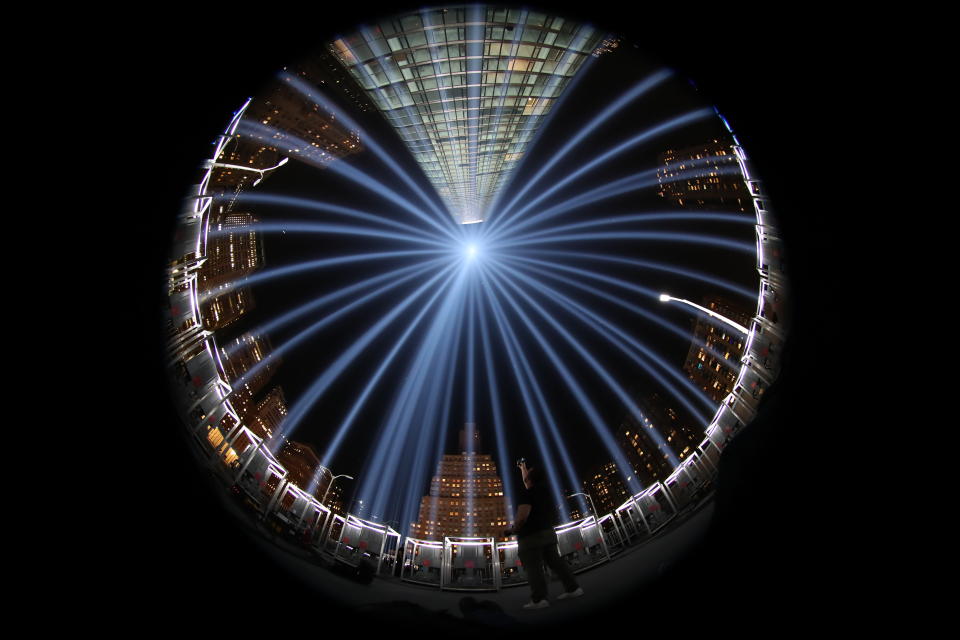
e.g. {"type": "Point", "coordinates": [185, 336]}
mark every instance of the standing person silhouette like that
{"type": "Point", "coordinates": [537, 541]}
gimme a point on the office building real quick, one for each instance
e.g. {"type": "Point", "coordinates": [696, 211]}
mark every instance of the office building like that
{"type": "Point", "coordinates": [606, 488]}
{"type": "Point", "coordinates": [466, 88]}
{"type": "Point", "coordinates": [700, 177]}
{"type": "Point", "coordinates": [713, 361]}
{"type": "Point", "coordinates": [466, 496]}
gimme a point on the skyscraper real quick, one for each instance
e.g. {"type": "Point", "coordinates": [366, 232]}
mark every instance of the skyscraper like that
{"type": "Point", "coordinates": [302, 129]}
{"type": "Point", "coordinates": [240, 356]}
{"type": "Point", "coordinates": [606, 488]}
{"type": "Point", "coordinates": [233, 251]}
{"type": "Point", "coordinates": [713, 361]}
{"type": "Point", "coordinates": [466, 496]}
{"type": "Point", "coordinates": [466, 88]}
{"type": "Point", "coordinates": [707, 181]}
{"type": "Point", "coordinates": [269, 414]}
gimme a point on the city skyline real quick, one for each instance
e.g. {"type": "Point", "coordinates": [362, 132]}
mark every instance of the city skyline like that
{"type": "Point", "coordinates": [741, 122]}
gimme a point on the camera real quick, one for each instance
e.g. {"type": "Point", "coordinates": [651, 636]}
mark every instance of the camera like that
{"type": "Point", "coordinates": [521, 461]}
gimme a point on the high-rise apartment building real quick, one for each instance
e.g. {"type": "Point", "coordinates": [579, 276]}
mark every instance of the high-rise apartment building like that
{"type": "Point", "coordinates": [301, 462]}
{"type": "Point", "coordinates": [713, 361]}
{"type": "Point", "coordinates": [223, 310]}
{"type": "Point", "coordinates": [466, 496]}
{"type": "Point", "coordinates": [240, 356]}
{"type": "Point", "coordinates": [606, 488]}
{"type": "Point", "coordinates": [233, 251]}
{"type": "Point", "coordinates": [704, 176]}
{"type": "Point", "coordinates": [302, 128]}
{"type": "Point", "coordinates": [466, 88]}
{"type": "Point", "coordinates": [269, 414]}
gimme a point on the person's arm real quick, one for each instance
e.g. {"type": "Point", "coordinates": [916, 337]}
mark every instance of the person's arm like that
{"type": "Point", "coordinates": [523, 512]}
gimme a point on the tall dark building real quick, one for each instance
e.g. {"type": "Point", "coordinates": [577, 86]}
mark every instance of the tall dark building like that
{"type": "Point", "coordinates": [301, 462]}
{"type": "Point", "coordinates": [240, 356]}
{"type": "Point", "coordinates": [466, 496]}
{"type": "Point", "coordinates": [714, 365]}
{"type": "Point", "coordinates": [649, 460]}
{"type": "Point", "coordinates": [269, 414]}
{"type": "Point", "coordinates": [234, 251]}
{"type": "Point", "coordinates": [304, 130]}
{"type": "Point", "coordinates": [703, 186]}
{"type": "Point", "coordinates": [606, 487]}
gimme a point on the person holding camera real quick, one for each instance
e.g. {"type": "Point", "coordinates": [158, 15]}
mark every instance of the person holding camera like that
{"type": "Point", "coordinates": [537, 540]}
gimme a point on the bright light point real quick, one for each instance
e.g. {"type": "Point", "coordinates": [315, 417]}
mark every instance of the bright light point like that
{"type": "Point", "coordinates": [664, 297]}
{"type": "Point", "coordinates": [471, 251]}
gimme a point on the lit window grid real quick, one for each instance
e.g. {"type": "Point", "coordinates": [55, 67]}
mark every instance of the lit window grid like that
{"type": "Point", "coordinates": [423, 67]}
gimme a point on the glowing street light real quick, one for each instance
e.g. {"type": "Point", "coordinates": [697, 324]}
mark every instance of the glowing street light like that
{"type": "Point", "coordinates": [323, 501]}
{"type": "Point", "coordinates": [239, 167]}
{"type": "Point", "coordinates": [742, 329]}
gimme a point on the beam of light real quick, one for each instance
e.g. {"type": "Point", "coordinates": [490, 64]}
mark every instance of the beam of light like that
{"type": "Point", "coordinates": [652, 236]}
{"type": "Point", "coordinates": [474, 45]}
{"type": "Point", "coordinates": [614, 386]}
{"type": "Point", "coordinates": [323, 382]}
{"type": "Point", "coordinates": [657, 216]}
{"type": "Point", "coordinates": [494, 127]}
{"type": "Point", "coordinates": [320, 302]}
{"type": "Point", "coordinates": [621, 340]}
{"type": "Point", "coordinates": [635, 182]}
{"type": "Point", "coordinates": [470, 417]}
{"type": "Point", "coordinates": [278, 353]}
{"type": "Point", "coordinates": [448, 376]}
{"type": "Point", "coordinates": [310, 265]}
{"type": "Point", "coordinates": [395, 77]}
{"type": "Point", "coordinates": [512, 346]}
{"type": "Point", "coordinates": [271, 136]}
{"type": "Point", "coordinates": [657, 266]}
{"type": "Point", "coordinates": [396, 437]}
{"type": "Point", "coordinates": [327, 105]}
{"type": "Point", "coordinates": [551, 88]}
{"type": "Point", "coordinates": [526, 371]}
{"type": "Point", "coordinates": [649, 134]}
{"type": "Point", "coordinates": [683, 334]}
{"type": "Point", "coordinates": [498, 424]}
{"type": "Point", "coordinates": [631, 94]}
{"type": "Point", "coordinates": [543, 127]}
{"type": "Point", "coordinates": [344, 427]}
{"type": "Point", "coordinates": [294, 226]}
{"type": "Point", "coordinates": [435, 415]}
{"type": "Point", "coordinates": [326, 207]}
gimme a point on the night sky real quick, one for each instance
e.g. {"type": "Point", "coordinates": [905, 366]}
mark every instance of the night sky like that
{"type": "Point", "coordinates": [770, 82]}
{"type": "Point", "coordinates": [609, 76]}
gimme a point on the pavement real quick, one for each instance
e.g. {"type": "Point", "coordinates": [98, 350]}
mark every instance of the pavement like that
{"type": "Point", "coordinates": [396, 603]}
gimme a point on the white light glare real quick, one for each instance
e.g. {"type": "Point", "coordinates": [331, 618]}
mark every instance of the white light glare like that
{"type": "Point", "coordinates": [471, 250]}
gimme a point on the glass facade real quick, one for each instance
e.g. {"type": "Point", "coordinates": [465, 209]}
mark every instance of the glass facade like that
{"type": "Point", "coordinates": [466, 89]}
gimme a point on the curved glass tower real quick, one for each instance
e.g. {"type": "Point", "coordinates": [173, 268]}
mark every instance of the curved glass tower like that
{"type": "Point", "coordinates": [466, 88]}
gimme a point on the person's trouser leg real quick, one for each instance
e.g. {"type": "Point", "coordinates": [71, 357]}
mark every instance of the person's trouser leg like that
{"type": "Point", "coordinates": [552, 557]}
{"type": "Point", "coordinates": [531, 556]}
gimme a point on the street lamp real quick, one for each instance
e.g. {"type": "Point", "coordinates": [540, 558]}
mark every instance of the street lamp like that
{"type": "Point", "coordinates": [342, 475]}
{"type": "Point", "coordinates": [328, 525]}
{"type": "Point", "coordinates": [240, 167]}
{"type": "Point", "coordinates": [742, 329]}
{"type": "Point", "coordinates": [596, 518]}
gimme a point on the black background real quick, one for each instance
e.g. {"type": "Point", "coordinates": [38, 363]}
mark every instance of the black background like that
{"type": "Point", "coordinates": [774, 547]}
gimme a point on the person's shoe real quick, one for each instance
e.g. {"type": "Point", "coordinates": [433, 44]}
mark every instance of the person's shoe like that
{"type": "Point", "coordinates": [543, 604]}
{"type": "Point", "coordinates": [576, 593]}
